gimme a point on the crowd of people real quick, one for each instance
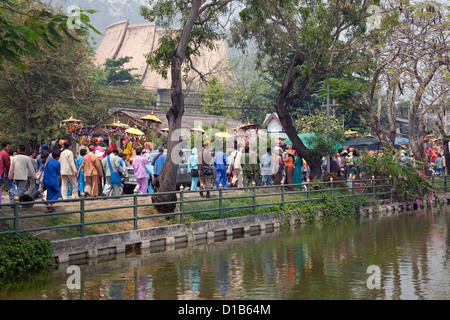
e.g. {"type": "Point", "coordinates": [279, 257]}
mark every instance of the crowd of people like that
{"type": "Point", "coordinates": [62, 174]}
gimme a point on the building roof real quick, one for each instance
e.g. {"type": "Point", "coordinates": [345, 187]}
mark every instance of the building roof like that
{"type": "Point", "coordinates": [122, 39]}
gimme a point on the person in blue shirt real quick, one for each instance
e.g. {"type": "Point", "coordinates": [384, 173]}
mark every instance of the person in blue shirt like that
{"type": "Point", "coordinates": [158, 161]}
{"type": "Point", "coordinates": [220, 162]}
{"type": "Point", "coordinates": [193, 164]}
{"type": "Point", "coordinates": [51, 172]}
{"type": "Point", "coordinates": [81, 178]}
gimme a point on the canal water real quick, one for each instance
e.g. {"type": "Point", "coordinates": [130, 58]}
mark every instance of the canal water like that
{"type": "Point", "coordinates": [394, 257]}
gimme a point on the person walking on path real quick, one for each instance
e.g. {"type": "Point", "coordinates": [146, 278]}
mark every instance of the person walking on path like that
{"type": "Point", "coordinates": [298, 170]}
{"type": "Point", "coordinates": [92, 170]}
{"type": "Point", "coordinates": [220, 162]}
{"type": "Point", "coordinates": [81, 177]}
{"type": "Point", "coordinates": [5, 163]}
{"type": "Point", "coordinates": [193, 169]}
{"type": "Point", "coordinates": [112, 177]}
{"type": "Point", "coordinates": [21, 168]}
{"type": "Point", "coordinates": [266, 168]}
{"type": "Point", "coordinates": [277, 166]}
{"type": "Point", "coordinates": [68, 172]}
{"type": "Point", "coordinates": [51, 172]}
{"type": "Point", "coordinates": [31, 183]}
{"type": "Point", "coordinates": [158, 161]}
{"type": "Point", "coordinates": [206, 171]}
{"type": "Point", "coordinates": [236, 167]}
{"type": "Point", "coordinates": [140, 171]}
{"type": "Point", "coordinates": [290, 167]}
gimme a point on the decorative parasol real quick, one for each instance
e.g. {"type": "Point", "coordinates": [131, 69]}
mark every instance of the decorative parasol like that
{"type": "Point", "coordinates": [165, 129]}
{"type": "Point", "coordinates": [71, 124]}
{"type": "Point", "coordinates": [223, 134]}
{"type": "Point", "coordinates": [151, 121]}
{"type": "Point", "coordinates": [135, 134]}
{"type": "Point", "coordinates": [250, 126]}
{"type": "Point", "coordinates": [115, 130]}
{"type": "Point", "coordinates": [350, 132]}
{"type": "Point", "coordinates": [83, 133]}
{"type": "Point", "coordinates": [198, 129]}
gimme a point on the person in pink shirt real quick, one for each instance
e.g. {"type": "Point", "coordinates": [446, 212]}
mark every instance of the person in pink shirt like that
{"type": "Point", "coordinates": [140, 171]}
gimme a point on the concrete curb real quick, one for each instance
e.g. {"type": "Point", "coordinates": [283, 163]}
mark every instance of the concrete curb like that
{"type": "Point", "coordinates": [168, 236]}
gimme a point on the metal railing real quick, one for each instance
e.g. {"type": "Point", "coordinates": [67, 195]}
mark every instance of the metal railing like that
{"type": "Point", "coordinates": [279, 195]}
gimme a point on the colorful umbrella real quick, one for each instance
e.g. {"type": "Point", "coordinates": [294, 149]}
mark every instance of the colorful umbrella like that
{"type": "Point", "coordinates": [71, 124]}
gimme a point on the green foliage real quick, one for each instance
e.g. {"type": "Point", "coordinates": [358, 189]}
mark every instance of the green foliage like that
{"type": "Point", "coordinates": [214, 100]}
{"type": "Point", "coordinates": [24, 25]}
{"type": "Point", "coordinates": [22, 253]}
{"type": "Point", "coordinates": [117, 75]}
{"type": "Point", "coordinates": [317, 123]}
{"type": "Point", "coordinates": [409, 180]}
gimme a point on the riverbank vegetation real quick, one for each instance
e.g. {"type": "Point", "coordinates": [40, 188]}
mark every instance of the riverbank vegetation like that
{"type": "Point", "coordinates": [23, 253]}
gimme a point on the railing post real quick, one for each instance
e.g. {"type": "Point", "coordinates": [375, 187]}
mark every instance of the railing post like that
{"type": "Point", "coordinates": [373, 187]}
{"type": "Point", "coordinates": [282, 194]}
{"type": "Point", "coordinates": [16, 214]}
{"type": "Point", "coordinates": [308, 189]}
{"type": "Point", "coordinates": [82, 216]}
{"type": "Point", "coordinates": [445, 181]}
{"type": "Point", "coordinates": [220, 201]}
{"type": "Point", "coordinates": [181, 204]}
{"type": "Point", "coordinates": [391, 185]}
{"type": "Point", "coordinates": [254, 198]}
{"type": "Point", "coordinates": [353, 185]}
{"type": "Point", "coordinates": [135, 208]}
{"type": "Point", "coordinates": [332, 185]}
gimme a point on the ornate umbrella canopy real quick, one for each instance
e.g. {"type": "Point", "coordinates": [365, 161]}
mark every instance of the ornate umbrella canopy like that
{"type": "Point", "coordinates": [115, 129]}
{"type": "Point", "coordinates": [198, 129]}
{"type": "Point", "coordinates": [71, 124]}
{"type": "Point", "coordinates": [83, 133]}
{"type": "Point", "coordinates": [223, 134]}
{"type": "Point", "coordinates": [350, 132]}
{"type": "Point", "coordinates": [135, 134]}
{"type": "Point", "coordinates": [250, 126]}
{"type": "Point", "coordinates": [151, 121]}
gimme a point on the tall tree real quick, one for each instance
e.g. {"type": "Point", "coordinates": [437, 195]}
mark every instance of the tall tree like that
{"type": "Point", "coordinates": [301, 42]}
{"type": "Point", "coordinates": [214, 100]}
{"type": "Point", "coordinates": [201, 26]}
{"type": "Point", "coordinates": [51, 87]}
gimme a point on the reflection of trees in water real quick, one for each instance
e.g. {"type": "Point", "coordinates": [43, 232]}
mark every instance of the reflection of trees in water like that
{"type": "Point", "coordinates": [327, 262]}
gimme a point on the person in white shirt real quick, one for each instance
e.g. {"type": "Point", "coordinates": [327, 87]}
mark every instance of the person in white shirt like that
{"type": "Point", "coordinates": [68, 172]}
{"type": "Point", "coordinates": [235, 162]}
{"type": "Point", "coordinates": [21, 168]}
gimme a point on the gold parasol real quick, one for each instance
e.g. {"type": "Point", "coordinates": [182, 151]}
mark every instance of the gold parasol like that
{"type": "Point", "coordinates": [134, 130]}
{"type": "Point", "coordinates": [198, 129]}
{"type": "Point", "coordinates": [166, 129]}
{"type": "Point", "coordinates": [223, 134]}
{"type": "Point", "coordinates": [151, 121]}
{"type": "Point", "coordinates": [71, 124]}
{"type": "Point", "coordinates": [250, 126]}
{"type": "Point", "coordinates": [350, 132]}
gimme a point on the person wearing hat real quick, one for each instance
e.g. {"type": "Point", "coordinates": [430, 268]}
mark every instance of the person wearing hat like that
{"type": "Point", "coordinates": [278, 165]}
{"type": "Point", "coordinates": [289, 163]}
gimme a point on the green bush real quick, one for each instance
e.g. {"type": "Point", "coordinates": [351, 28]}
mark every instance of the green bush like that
{"type": "Point", "coordinates": [22, 253]}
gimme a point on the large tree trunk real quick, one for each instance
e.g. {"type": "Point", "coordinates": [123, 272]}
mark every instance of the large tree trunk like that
{"type": "Point", "coordinates": [283, 110]}
{"type": "Point", "coordinates": [166, 180]}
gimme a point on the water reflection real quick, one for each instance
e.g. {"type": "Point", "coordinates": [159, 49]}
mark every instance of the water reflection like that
{"type": "Point", "coordinates": [311, 262]}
